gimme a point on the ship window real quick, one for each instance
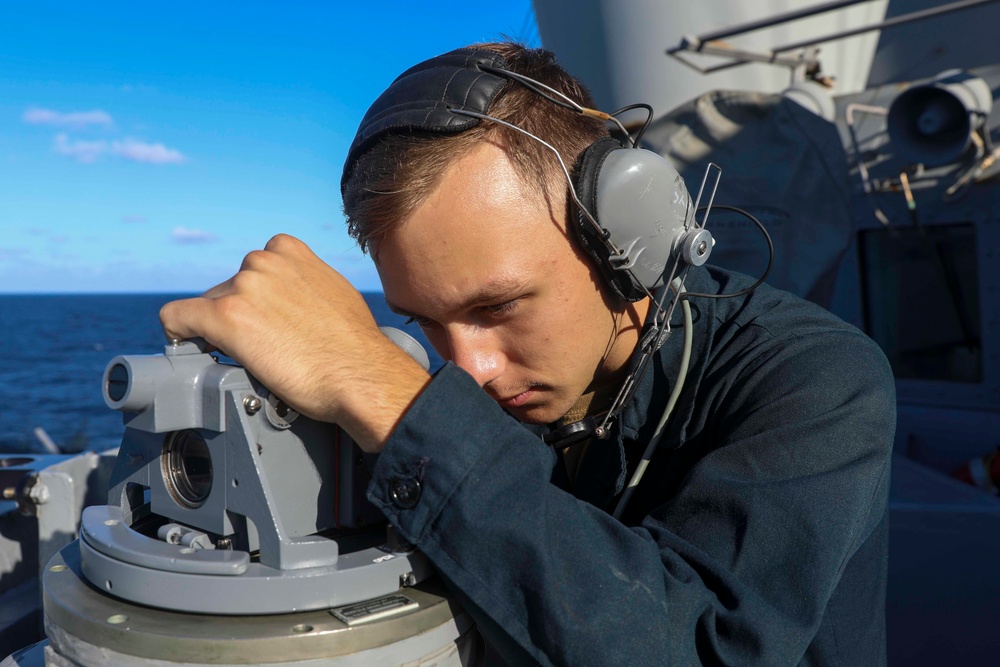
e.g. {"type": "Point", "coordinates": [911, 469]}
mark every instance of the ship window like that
{"type": "Point", "coordinates": [921, 300]}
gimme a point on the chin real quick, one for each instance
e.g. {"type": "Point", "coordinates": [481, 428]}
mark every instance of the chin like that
{"type": "Point", "coordinates": [537, 414]}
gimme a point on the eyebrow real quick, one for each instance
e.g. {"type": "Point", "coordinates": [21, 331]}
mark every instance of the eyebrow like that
{"type": "Point", "coordinates": [499, 288]}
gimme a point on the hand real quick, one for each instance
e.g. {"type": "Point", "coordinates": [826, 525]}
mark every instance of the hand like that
{"type": "Point", "coordinates": [301, 329]}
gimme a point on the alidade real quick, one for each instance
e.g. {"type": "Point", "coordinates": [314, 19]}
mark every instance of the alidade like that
{"type": "Point", "coordinates": [237, 532]}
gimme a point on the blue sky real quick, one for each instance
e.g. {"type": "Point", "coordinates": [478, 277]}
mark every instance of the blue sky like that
{"type": "Point", "coordinates": [148, 147]}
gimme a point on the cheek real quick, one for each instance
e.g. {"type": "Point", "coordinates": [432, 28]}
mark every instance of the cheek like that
{"type": "Point", "coordinates": [559, 333]}
{"type": "Point", "coordinates": [438, 341]}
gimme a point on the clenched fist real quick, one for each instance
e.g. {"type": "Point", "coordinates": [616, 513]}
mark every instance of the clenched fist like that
{"type": "Point", "coordinates": [301, 329]}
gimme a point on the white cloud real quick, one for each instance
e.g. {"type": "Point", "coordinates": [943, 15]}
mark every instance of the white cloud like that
{"type": "Point", "coordinates": [187, 236]}
{"type": "Point", "coordinates": [130, 149]}
{"type": "Point", "coordinates": [74, 119]}
{"type": "Point", "coordinates": [81, 151]}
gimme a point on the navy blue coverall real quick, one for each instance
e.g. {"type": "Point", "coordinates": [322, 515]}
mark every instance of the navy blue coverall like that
{"type": "Point", "coordinates": [757, 536]}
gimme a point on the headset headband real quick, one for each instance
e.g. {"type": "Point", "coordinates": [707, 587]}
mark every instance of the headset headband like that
{"type": "Point", "coordinates": [414, 102]}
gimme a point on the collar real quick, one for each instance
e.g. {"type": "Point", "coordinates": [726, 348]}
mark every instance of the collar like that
{"type": "Point", "coordinates": [604, 470]}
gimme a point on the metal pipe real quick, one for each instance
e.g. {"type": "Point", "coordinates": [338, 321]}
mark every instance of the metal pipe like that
{"type": "Point", "coordinates": [849, 115]}
{"type": "Point", "coordinates": [888, 23]}
{"type": "Point", "coordinates": [723, 50]}
{"type": "Point", "coordinates": [776, 20]}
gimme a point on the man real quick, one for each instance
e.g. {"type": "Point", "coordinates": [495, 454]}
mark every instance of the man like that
{"type": "Point", "coordinates": [758, 535]}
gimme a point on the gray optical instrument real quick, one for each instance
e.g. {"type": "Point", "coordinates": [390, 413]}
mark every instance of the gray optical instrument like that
{"type": "Point", "coordinates": [217, 477]}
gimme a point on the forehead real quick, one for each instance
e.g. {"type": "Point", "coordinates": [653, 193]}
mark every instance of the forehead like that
{"type": "Point", "coordinates": [481, 226]}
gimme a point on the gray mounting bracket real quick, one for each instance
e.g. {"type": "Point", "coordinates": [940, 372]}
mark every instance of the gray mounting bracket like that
{"type": "Point", "coordinates": [152, 572]}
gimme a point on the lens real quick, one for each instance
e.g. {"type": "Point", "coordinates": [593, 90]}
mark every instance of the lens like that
{"type": "Point", "coordinates": [187, 468]}
{"type": "Point", "coordinates": [117, 382]}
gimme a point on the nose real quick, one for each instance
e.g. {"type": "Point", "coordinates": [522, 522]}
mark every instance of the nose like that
{"type": "Point", "coordinates": [477, 352]}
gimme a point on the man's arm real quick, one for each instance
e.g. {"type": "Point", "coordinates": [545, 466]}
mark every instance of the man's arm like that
{"type": "Point", "coordinates": [301, 329]}
{"type": "Point", "coordinates": [736, 568]}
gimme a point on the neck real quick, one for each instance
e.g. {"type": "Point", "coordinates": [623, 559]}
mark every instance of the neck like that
{"type": "Point", "coordinates": [628, 323]}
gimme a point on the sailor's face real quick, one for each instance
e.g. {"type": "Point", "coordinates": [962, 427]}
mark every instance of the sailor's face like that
{"type": "Point", "coordinates": [488, 270]}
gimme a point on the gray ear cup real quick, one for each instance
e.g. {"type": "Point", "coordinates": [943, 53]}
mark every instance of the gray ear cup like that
{"type": "Point", "coordinates": [643, 206]}
{"type": "Point", "coordinates": [585, 177]}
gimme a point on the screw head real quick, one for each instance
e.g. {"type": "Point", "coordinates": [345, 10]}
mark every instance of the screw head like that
{"type": "Point", "coordinates": [39, 494]}
{"type": "Point", "coordinates": [252, 405]}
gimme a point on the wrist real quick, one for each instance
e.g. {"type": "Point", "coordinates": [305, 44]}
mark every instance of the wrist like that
{"type": "Point", "coordinates": [369, 395]}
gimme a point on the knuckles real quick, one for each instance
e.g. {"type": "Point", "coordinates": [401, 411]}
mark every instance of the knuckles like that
{"type": "Point", "coordinates": [284, 243]}
{"type": "Point", "coordinates": [282, 253]}
{"type": "Point", "coordinates": [254, 260]}
{"type": "Point", "coordinates": [232, 310]}
{"type": "Point", "coordinates": [245, 282]}
{"type": "Point", "coordinates": [167, 318]}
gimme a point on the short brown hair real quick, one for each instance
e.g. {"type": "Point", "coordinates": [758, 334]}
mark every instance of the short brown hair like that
{"type": "Point", "coordinates": [397, 175]}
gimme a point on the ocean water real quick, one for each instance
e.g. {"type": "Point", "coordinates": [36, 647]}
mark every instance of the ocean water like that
{"type": "Point", "coordinates": [54, 354]}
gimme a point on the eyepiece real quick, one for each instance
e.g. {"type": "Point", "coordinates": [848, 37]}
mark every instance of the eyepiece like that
{"type": "Point", "coordinates": [117, 382]}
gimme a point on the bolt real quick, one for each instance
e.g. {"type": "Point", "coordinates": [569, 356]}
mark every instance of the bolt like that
{"type": "Point", "coordinates": [252, 405]}
{"type": "Point", "coordinates": [196, 540]}
{"type": "Point", "coordinates": [224, 543]}
{"type": "Point", "coordinates": [407, 580]}
{"type": "Point", "coordinates": [171, 534]}
{"type": "Point", "coordinates": [702, 249]}
{"type": "Point", "coordinates": [39, 494]}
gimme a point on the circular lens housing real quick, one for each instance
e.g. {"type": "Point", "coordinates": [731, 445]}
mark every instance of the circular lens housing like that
{"type": "Point", "coordinates": [118, 381]}
{"type": "Point", "coordinates": [187, 468]}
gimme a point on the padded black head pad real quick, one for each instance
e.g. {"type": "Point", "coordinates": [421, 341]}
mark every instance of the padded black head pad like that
{"type": "Point", "coordinates": [585, 175]}
{"type": "Point", "coordinates": [420, 98]}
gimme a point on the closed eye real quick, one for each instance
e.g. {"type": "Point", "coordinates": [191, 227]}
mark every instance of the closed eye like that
{"type": "Point", "coordinates": [502, 309]}
{"type": "Point", "coordinates": [421, 322]}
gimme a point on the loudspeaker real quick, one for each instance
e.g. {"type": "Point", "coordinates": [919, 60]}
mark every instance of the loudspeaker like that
{"type": "Point", "coordinates": [932, 123]}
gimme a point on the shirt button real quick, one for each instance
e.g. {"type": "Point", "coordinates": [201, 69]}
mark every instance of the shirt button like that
{"type": "Point", "coordinates": [404, 491]}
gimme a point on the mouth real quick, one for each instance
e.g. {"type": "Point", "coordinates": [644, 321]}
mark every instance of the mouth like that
{"type": "Point", "coordinates": [517, 400]}
{"type": "Point", "coordinates": [515, 397]}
